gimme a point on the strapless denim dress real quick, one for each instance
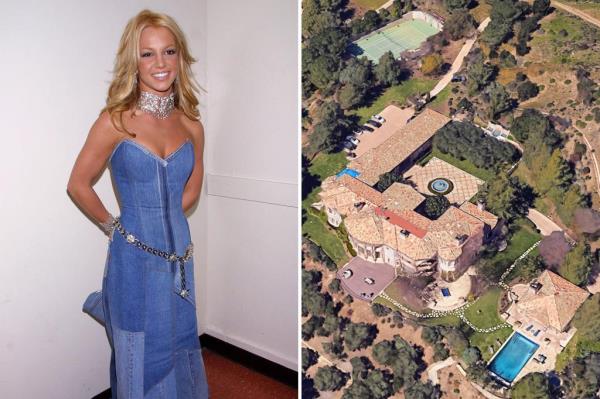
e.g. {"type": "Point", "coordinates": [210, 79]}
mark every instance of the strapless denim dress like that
{"type": "Point", "coordinates": [152, 330]}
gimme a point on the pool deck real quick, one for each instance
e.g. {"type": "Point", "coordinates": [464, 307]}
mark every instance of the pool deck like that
{"type": "Point", "coordinates": [459, 290]}
{"type": "Point", "coordinates": [465, 185]}
{"type": "Point", "coordinates": [551, 342]}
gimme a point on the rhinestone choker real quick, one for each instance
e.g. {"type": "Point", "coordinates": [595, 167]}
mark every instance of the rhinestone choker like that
{"type": "Point", "coordinates": [159, 107]}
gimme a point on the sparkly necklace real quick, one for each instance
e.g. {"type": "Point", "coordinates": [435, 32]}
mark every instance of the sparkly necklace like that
{"type": "Point", "coordinates": [159, 107]}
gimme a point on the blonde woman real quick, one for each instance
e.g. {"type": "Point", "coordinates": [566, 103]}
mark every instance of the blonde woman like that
{"type": "Point", "coordinates": [150, 135]}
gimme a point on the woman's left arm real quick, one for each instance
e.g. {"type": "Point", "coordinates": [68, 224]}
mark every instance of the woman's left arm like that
{"type": "Point", "coordinates": [193, 187]}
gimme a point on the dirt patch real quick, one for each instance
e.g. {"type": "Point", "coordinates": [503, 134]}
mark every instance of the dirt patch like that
{"type": "Point", "coordinates": [454, 385]}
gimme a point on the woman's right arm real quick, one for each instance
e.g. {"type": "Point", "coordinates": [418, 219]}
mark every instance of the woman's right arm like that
{"type": "Point", "coordinates": [89, 163]}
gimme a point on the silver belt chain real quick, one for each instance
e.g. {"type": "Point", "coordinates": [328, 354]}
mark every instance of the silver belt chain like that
{"type": "Point", "coordinates": [171, 257]}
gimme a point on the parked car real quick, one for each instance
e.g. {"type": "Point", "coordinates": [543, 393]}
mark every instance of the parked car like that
{"type": "Point", "coordinates": [374, 123]}
{"type": "Point", "coordinates": [369, 280]}
{"type": "Point", "coordinates": [458, 78]}
{"type": "Point", "coordinates": [351, 155]}
{"type": "Point", "coordinates": [352, 140]}
{"type": "Point", "coordinates": [348, 145]}
{"type": "Point", "coordinates": [368, 128]}
{"type": "Point", "coordinates": [378, 118]}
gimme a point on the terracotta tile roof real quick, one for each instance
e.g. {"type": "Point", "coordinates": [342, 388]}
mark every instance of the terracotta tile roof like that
{"type": "Point", "coordinates": [403, 143]}
{"type": "Point", "coordinates": [399, 197]}
{"type": "Point", "coordinates": [485, 216]}
{"type": "Point", "coordinates": [361, 189]}
{"type": "Point", "coordinates": [456, 222]}
{"type": "Point", "coordinates": [404, 222]}
{"type": "Point", "coordinates": [365, 226]}
{"type": "Point", "coordinates": [343, 192]}
{"type": "Point", "coordinates": [555, 303]}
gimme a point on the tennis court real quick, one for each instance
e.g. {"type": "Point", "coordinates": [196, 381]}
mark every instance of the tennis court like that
{"type": "Point", "coordinates": [407, 35]}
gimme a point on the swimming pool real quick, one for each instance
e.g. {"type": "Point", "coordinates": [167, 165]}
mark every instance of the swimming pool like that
{"type": "Point", "coordinates": [513, 357]}
{"type": "Point", "coordinates": [348, 171]}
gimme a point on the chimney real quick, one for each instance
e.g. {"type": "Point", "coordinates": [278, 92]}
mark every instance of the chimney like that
{"type": "Point", "coordinates": [481, 205]}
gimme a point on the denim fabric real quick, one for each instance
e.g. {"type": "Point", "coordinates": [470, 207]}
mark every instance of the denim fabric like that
{"type": "Point", "coordinates": [152, 331]}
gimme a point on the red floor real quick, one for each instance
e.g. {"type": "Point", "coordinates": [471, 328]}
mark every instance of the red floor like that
{"type": "Point", "coordinates": [228, 379]}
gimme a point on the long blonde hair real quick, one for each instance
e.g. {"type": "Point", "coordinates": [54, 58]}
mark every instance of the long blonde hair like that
{"type": "Point", "coordinates": [123, 92]}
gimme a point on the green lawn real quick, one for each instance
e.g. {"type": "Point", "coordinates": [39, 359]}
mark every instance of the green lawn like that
{"type": "Point", "coordinates": [484, 314]}
{"type": "Point", "coordinates": [315, 227]}
{"type": "Point", "coordinates": [370, 4]}
{"type": "Point", "coordinates": [323, 235]}
{"type": "Point", "coordinates": [465, 165]}
{"type": "Point", "coordinates": [442, 96]}
{"type": "Point", "coordinates": [325, 165]}
{"type": "Point", "coordinates": [395, 94]}
{"type": "Point", "coordinates": [523, 238]}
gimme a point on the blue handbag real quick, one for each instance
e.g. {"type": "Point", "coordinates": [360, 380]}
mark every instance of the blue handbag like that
{"type": "Point", "coordinates": [94, 307]}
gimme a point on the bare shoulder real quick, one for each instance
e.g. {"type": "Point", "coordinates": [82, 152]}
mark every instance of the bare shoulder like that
{"type": "Point", "coordinates": [103, 130]}
{"type": "Point", "coordinates": [195, 128]}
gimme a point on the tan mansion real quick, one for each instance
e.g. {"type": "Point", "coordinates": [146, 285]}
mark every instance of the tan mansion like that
{"type": "Point", "coordinates": [383, 227]}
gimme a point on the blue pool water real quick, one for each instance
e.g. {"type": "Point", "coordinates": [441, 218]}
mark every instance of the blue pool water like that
{"type": "Point", "coordinates": [445, 292]}
{"type": "Point", "coordinates": [512, 357]}
{"type": "Point", "coordinates": [440, 185]}
{"type": "Point", "coordinates": [348, 171]}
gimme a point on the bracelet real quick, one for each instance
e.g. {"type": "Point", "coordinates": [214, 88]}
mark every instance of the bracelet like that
{"type": "Point", "coordinates": [109, 225]}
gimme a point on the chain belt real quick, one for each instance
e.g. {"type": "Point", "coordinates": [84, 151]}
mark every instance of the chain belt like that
{"type": "Point", "coordinates": [171, 257]}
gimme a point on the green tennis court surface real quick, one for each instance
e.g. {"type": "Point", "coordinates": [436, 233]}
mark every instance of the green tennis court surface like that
{"type": "Point", "coordinates": [407, 35]}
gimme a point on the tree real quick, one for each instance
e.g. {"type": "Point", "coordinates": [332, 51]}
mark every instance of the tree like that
{"type": "Point", "coordinates": [359, 335]}
{"type": "Point", "coordinates": [577, 264]}
{"type": "Point", "coordinates": [587, 220]}
{"type": "Point", "coordinates": [464, 140]}
{"type": "Point", "coordinates": [372, 20]}
{"type": "Point", "coordinates": [453, 5]}
{"type": "Point", "coordinates": [380, 310]}
{"type": "Point", "coordinates": [500, 100]}
{"type": "Point", "coordinates": [541, 7]}
{"type": "Point", "coordinates": [554, 248]}
{"type": "Point", "coordinates": [430, 335]}
{"type": "Point", "coordinates": [479, 74]}
{"type": "Point", "coordinates": [506, 197]}
{"type": "Point", "coordinates": [471, 355]}
{"type": "Point", "coordinates": [357, 390]}
{"type": "Point", "coordinates": [358, 72]}
{"type": "Point", "coordinates": [333, 125]}
{"type": "Point", "coordinates": [350, 96]}
{"type": "Point", "coordinates": [581, 377]}
{"type": "Point", "coordinates": [380, 383]}
{"type": "Point", "coordinates": [323, 70]}
{"type": "Point", "coordinates": [532, 386]}
{"type": "Point", "coordinates": [435, 206]}
{"type": "Point", "coordinates": [388, 71]}
{"type": "Point", "coordinates": [310, 326]}
{"type": "Point", "coordinates": [360, 367]}
{"type": "Point", "coordinates": [556, 174]}
{"type": "Point", "coordinates": [529, 267]}
{"type": "Point", "coordinates": [421, 390]}
{"type": "Point", "coordinates": [309, 357]}
{"type": "Point", "coordinates": [507, 60]}
{"type": "Point", "coordinates": [459, 24]}
{"type": "Point", "coordinates": [496, 33]}
{"type": "Point", "coordinates": [329, 378]}
{"type": "Point", "coordinates": [456, 340]}
{"type": "Point", "coordinates": [431, 64]}
{"type": "Point", "coordinates": [527, 90]}
{"type": "Point", "coordinates": [330, 325]}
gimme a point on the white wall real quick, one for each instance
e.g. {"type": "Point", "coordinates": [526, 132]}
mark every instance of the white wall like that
{"type": "Point", "coordinates": [55, 72]}
{"type": "Point", "coordinates": [252, 192]}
